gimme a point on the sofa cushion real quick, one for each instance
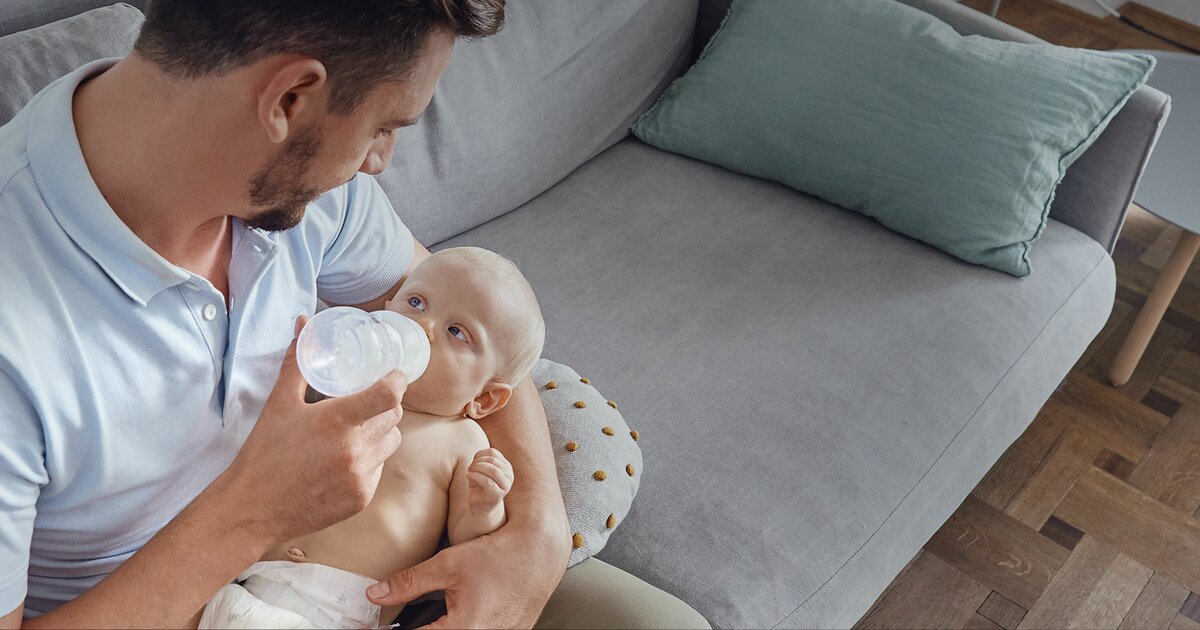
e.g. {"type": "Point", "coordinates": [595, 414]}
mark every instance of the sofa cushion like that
{"type": "Point", "coordinates": [816, 393]}
{"type": "Point", "coordinates": [516, 112]}
{"type": "Point", "coordinates": [30, 60]}
{"type": "Point", "coordinates": [958, 141]}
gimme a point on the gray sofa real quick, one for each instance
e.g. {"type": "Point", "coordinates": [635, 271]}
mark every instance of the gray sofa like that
{"type": "Point", "coordinates": [815, 393]}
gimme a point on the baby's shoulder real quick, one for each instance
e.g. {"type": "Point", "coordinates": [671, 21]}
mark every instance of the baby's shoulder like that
{"type": "Point", "coordinates": [470, 437]}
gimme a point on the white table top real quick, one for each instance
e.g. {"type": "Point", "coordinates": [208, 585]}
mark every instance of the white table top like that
{"type": "Point", "coordinates": [1170, 187]}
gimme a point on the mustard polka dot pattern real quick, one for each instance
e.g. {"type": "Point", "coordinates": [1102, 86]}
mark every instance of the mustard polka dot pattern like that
{"type": "Point", "coordinates": [594, 444]}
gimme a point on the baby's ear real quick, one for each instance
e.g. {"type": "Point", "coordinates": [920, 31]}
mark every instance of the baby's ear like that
{"type": "Point", "coordinates": [495, 395]}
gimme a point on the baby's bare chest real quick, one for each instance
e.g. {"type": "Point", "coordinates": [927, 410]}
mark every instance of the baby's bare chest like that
{"type": "Point", "coordinates": [404, 521]}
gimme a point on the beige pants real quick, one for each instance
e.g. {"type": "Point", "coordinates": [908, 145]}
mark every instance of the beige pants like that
{"type": "Point", "coordinates": [593, 594]}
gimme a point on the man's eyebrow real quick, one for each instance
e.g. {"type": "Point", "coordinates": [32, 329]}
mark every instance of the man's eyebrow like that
{"type": "Point", "coordinates": [404, 122]}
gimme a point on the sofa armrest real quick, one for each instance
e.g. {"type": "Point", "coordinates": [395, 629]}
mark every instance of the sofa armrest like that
{"type": "Point", "coordinates": [1095, 194]}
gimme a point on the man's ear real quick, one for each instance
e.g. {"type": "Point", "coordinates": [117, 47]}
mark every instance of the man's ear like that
{"type": "Point", "coordinates": [293, 90]}
{"type": "Point", "coordinates": [495, 395]}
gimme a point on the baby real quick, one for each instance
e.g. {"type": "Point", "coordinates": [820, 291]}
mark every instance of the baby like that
{"type": "Point", "coordinates": [485, 332]}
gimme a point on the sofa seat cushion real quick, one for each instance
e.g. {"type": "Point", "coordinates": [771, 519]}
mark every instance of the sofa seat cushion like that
{"type": "Point", "coordinates": [814, 393]}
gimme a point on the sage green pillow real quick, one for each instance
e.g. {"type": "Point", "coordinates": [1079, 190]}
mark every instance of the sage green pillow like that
{"type": "Point", "coordinates": [958, 141]}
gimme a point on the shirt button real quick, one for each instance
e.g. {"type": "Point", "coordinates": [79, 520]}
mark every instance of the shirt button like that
{"type": "Point", "coordinates": [210, 311]}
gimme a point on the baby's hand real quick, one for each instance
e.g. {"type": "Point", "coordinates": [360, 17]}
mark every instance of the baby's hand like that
{"type": "Point", "coordinates": [489, 478]}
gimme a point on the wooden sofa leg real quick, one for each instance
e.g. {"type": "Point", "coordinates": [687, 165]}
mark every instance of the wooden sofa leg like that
{"type": "Point", "coordinates": [1156, 305]}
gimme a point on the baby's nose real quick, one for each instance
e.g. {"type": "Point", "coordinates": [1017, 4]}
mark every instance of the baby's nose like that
{"type": "Point", "coordinates": [427, 325]}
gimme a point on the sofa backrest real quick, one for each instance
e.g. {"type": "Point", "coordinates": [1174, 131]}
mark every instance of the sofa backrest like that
{"type": "Point", "coordinates": [30, 60]}
{"type": "Point", "coordinates": [517, 112]}
{"type": "Point", "coordinates": [513, 115]}
{"type": "Point", "coordinates": [20, 15]}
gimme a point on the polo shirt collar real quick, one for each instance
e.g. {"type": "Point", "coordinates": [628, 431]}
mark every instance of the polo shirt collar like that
{"type": "Point", "coordinates": [66, 185]}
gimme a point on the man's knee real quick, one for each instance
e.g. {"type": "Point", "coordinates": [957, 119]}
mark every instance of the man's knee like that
{"type": "Point", "coordinates": [597, 595]}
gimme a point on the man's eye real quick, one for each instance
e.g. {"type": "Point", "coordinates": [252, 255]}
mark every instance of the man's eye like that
{"type": "Point", "coordinates": [457, 332]}
{"type": "Point", "coordinates": [416, 303]}
{"type": "Point", "coordinates": [384, 132]}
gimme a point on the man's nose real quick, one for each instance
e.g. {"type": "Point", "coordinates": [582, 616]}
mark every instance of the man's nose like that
{"type": "Point", "coordinates": [379, 155]}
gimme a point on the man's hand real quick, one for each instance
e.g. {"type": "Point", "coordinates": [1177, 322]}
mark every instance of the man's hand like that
{"type": "Point", "coordinates": [307, 466]}
{"type": "Point", "coordinates": [495, 581]}
{"type": "Point", "coordinates": [489, 478]}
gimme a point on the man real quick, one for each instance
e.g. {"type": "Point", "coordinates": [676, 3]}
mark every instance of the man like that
{"type": "Point", "coordinates": [171, 219]}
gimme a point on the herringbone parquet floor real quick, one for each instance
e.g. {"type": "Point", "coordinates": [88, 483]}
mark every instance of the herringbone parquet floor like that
{"type": "Point", "coordinates": [1092, 518]}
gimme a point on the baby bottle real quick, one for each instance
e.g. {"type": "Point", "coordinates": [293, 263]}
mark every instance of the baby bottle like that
{"type": "Point", "coordinates": [344, 350]}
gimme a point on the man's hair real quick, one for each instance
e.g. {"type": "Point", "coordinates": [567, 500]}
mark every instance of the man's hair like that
{"type": "Point", "coordinates": [506, 276]}
{"type": "Point", "coordinates": [361, 42]}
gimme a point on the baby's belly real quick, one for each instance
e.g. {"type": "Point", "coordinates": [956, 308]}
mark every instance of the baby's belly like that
{"type": "Point", "coordinates": [399, 529]}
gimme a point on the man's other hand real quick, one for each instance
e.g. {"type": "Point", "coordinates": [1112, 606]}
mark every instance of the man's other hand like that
{"type": "Point", "coordinates": [493, 581]}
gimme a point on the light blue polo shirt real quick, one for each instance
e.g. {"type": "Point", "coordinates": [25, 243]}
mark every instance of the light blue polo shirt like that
{"type": "Point", "coordinates": [126, 386]}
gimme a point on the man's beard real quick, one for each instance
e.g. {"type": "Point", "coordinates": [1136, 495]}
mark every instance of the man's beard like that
{"type": "Point", "coordinates": [278, 186]}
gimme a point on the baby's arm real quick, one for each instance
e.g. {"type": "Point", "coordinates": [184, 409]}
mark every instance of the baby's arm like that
{"type": "Point", "coordinates": [482, 478]}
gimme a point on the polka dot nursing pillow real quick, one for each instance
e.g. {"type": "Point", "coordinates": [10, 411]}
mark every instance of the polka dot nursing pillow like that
{"type": "Point", "coordinates": [597, 456]}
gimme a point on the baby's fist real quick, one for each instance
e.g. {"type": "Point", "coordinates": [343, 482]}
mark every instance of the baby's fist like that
{"type": "Point", "coordinates": [489, 478]}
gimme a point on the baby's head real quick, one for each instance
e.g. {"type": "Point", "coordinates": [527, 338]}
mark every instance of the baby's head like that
{"type": "Point", "coordinates": [485, 330]}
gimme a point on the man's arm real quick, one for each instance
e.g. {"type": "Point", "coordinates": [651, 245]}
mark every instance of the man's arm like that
{"type": "Point", "coordinates": [168, 581]}
{"type": "Point", "coordinates": [419, 254]}
{"type": "Point", "coordinates": [257, 502]}
{"type": "Point", "coordinates": [12, 620]}
{"type": "Point", "coordinates": [535, 504]}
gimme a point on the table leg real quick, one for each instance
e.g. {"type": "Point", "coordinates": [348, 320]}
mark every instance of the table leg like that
{"type": "Point", "coordinates": [1156, 305]}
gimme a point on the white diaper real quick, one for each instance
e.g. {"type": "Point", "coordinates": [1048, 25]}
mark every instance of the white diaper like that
{"type": "Point", "coordinates": [281, 594]}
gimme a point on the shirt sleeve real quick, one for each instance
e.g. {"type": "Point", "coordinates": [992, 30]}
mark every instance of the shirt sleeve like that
{"type": "Point", "coordinates": [372, 248]}
{"type": "Point", "coordinates": [22, 475]}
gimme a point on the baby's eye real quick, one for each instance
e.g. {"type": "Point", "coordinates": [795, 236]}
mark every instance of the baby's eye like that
{"type": "Point", "coordinates": [417, 303]}
{"type": "Point", "coordinates": [457, 332]}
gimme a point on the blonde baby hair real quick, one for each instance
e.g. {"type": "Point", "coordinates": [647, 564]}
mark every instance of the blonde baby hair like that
{"type": "Point", "coordinates": [528, 346]}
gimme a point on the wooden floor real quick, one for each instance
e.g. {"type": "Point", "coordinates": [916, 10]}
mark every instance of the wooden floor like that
{"type": "Point", "coordinates": [1092, 518]}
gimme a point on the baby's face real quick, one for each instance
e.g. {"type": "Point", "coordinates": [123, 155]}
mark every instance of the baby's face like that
{"type": "Point", "coordinates": [470, 325]}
